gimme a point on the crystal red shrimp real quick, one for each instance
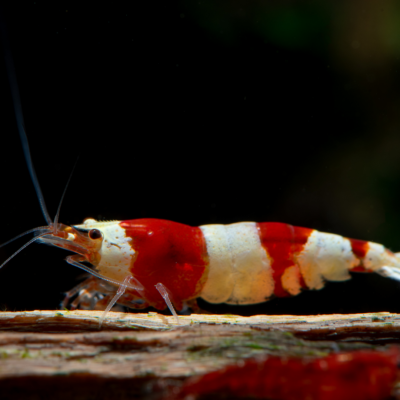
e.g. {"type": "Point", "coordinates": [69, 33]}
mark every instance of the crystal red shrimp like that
{"type": "Point", "coordinates": [242, 263]}
{"type": "Point", "coordinates": [352, 375]}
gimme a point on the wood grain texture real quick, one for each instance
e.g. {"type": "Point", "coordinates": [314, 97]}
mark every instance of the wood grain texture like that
{"type": "Point", "coordinates": [63, 354]}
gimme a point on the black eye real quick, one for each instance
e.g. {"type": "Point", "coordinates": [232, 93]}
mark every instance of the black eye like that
{"type": "Point", "coordinates": [95, 234]}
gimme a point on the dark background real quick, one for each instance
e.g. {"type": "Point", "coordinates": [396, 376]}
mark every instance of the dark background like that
{"type": "Point", "coordinates": [204, 112]}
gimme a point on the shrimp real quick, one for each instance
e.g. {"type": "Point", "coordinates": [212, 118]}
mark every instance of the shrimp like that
{"type": "Point", "coordinates": [243, 263]}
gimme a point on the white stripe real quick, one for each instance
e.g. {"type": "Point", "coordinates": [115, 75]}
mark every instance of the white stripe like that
{"type": "Point", "coordinates": [308, 264]}
{"type": "Point", "coordinates": [291, 280]}
{"type": "Point", "coordinates": [326, 256]}
{"type": "Point", "coordinates": [219, 284]}
{"type": "Point", "coordinates": [375, 257]}
{"type": "Point", "coordinates": [382, 261]}
{"type": "Point", "coordinates": [378, 256]}
{"type": "Point", "coordinates": [240, 270]}
{"type": "Point", "coordinates": [116, 251]}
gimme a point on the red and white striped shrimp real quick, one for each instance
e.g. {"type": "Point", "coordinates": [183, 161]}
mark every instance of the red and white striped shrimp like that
{"type": "Point", "coordinates": [242, 263]}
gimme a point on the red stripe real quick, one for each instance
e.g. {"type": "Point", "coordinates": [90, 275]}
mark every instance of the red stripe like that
{"type": "Point", "coordinates": [171, 253]}
{"type": "Point", "coordinates": [360, 249]}
{"type": "Point", "coordinates": [283, 243]}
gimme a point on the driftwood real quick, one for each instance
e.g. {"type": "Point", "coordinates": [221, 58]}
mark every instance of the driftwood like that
{"type": "Point", "coordinates": [62, 354]}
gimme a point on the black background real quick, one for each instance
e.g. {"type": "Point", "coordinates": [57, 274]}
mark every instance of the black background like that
{"type": "Point", "coordinates": [204, 112]}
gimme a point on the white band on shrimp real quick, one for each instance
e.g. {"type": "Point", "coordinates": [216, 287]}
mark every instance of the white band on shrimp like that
{"type": "Point", "coordinates": [326, 256]}
{"type": "Point", "coordinates": [240, 270]}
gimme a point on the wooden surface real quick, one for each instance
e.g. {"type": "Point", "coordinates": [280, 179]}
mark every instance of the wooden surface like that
{"type": "Point", "coordinates": [63, 354]}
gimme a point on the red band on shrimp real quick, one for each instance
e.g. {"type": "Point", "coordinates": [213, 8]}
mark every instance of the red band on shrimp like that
{"type": "Point", "coordinates": [282, 243]}
{"type": "Point", "coordinates": [360, 249]}
{"type": "Point", "coordinates": [171, 253]}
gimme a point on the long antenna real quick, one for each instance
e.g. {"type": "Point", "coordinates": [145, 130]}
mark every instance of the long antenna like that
{"type": "Point", "coordinates": [19, 116]}
{"type": "Point", "coordinates": [63, 195]}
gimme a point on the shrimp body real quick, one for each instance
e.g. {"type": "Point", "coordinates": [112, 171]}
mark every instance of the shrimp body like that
{"type": "Point", "coordinates": [241, 263]}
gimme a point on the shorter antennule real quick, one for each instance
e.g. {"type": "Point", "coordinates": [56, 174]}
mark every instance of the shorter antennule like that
{"type": "Point", "coordinates": [39, 233]}
{"type": "Point", "coordinates": [40, 228]}
{"type": "Point", "coordinates": [47, 230]}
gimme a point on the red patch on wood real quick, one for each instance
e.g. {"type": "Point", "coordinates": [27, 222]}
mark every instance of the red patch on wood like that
{"type": "Point", "coordinates": [167, 252]}
{"type": "Point", "coordinates": [282, 242]}
{"type": "Point", "coordinates": [353, 375]}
